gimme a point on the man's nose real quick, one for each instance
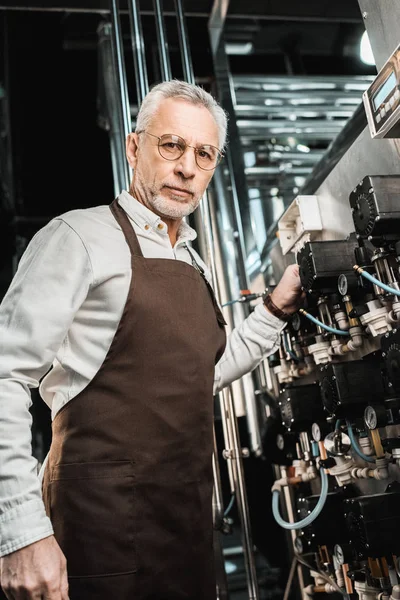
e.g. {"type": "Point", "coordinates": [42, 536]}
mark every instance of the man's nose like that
{"type": "Point", "coordinates": [186, 165]}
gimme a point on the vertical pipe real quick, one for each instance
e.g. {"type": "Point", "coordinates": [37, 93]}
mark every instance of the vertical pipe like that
{"type": "Point", "coordinates": [112, 108]}
{"type": "Point", "coordinates": [124, 114]}
{"type": "Point", "coordinates": [166, 74]}
{"type": "Point", "coordinates": [227, 408]}
{"type": "Point", "coordinates": [188, 73]}
{"type": "Point", "coordinates": [231, 433]}
{"type": "Point", "coordinates": [118, 54]}
{"type": "Point", "coordinates": [241, 496]}
{"type": "Point", "coordinates": [139, 57]}
{"type": "Point", "coordinates": [290, 514]}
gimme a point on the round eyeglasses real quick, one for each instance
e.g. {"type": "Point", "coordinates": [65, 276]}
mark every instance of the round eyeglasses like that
{"type": "Point", "coordinates": [171, 147]}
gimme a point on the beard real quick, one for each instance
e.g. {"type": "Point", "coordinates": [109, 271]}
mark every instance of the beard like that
{"type": "Point", "coordinates": [174, 207]}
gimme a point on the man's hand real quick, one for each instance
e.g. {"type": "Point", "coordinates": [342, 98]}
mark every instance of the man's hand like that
{"type": "Point", "coordinates": [36, 572]}
{"type": "Point", "coordinates": [288, 295]}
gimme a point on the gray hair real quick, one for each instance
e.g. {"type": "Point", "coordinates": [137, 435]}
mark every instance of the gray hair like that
{"type": "Point", "coordinates": [185, 91]}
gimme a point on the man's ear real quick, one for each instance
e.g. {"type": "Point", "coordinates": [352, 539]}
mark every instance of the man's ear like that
{"type": "Point", "coordinates": [132, 148]}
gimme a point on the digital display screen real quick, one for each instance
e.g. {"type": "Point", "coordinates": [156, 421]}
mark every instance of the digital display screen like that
{"type": "Point", "coordinates": [384, 90]}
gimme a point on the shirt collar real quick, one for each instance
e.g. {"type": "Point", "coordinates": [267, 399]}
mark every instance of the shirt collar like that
{"type": "Point", "coordinates": [143, 217]}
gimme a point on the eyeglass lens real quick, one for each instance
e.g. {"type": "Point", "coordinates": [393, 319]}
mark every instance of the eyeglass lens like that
{"type": "Point", "coordinates": [172, 147]}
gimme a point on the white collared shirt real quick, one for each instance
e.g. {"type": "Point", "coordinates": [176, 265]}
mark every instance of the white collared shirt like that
{"type": "Point", "coordinates": [61, 313]}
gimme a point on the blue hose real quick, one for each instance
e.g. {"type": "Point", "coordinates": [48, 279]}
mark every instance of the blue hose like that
{"type": "Point", "coordinates": [312, 516]}
{"type": "Point", "coordinates": [376, 281]}
{"type": "Point", "coordinates": [231, 302]}
{"type": "Point", "coordinates": [230, 505]}
{"type": "Point", "coordinates": [321, 324]}
{"type": "Point", "coordinates": [291, 354]}
{"type": "Point", "coordinates": [355, 445]}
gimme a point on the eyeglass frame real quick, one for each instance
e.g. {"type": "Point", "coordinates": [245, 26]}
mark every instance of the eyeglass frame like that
{"type": "Point", "coordinates": [159, 138]}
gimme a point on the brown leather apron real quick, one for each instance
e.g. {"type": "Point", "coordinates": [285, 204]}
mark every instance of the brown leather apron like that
{"type": "Point", "coordinates": [128, 483]}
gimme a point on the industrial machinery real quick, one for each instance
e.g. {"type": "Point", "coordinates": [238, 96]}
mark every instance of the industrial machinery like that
{"type": "Point", "coordinates": [338, 374]}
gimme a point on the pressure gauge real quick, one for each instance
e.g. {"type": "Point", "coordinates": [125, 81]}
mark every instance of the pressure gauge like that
{"type": "Point", "coordinates": [343, 284]}
{"type": "Point", "coordinates": [280, 441]}
{"type": "Point", "coordinates": [343, 553]}
{"type": "Point", "coordinates": [370, 417]}
{"type": "Point", "coordinates": [382, 100]}
{"type": "Point", "coordinates": [339, 554]}
{"type": "Point", "coordinates": [316, 432]}
{"type": "Point", "coordinates": [375, 416]}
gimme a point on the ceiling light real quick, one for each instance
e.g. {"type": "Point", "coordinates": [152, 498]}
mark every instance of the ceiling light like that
{"type": "Point", "coordinates": [237, 48]}
{"type": "Point", "coordinates": [298, 87]}
{"type": "Point", "coordinates": [271, 87]}
{"type": "Point", "coordinates": [366, 53]}
{"type": "Point", "coordinates": [303, 148]}
{"type": "Point", "coordinates": [346, 101]}
{"type": "Point", "coordinates": [307, 101]}
{"type": "Point", "coordinates": [269, 102]}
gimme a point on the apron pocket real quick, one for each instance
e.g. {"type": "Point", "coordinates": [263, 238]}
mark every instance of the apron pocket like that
{"type": "Point", "coordinates": [92, 512]}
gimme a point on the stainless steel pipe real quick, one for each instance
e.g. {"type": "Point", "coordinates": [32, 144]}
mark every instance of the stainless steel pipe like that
{"type": "Point", "coordinates": [138, 50]}
{"type": "Point", "coordinates": [113, 107]}
{"type": "Point", "coordinates": [165, 64]}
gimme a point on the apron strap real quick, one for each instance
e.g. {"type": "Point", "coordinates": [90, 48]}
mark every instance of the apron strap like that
{"type": "Point", "coordinates": [122, 219]}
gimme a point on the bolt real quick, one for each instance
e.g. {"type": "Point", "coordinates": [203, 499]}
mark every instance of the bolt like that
{"type": "Point", "coordinates": [365, 14]}
{"type": "Point", "coordinates": [383, 354]}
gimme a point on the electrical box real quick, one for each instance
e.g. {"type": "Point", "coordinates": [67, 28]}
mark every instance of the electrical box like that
{"type": "Point", "coordinates": [382, 100]}
{"type": "Point", "coordinates": [301, 218]}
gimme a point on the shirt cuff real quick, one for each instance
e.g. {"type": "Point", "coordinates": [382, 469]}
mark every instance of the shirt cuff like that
{"type": "Point", "coordinates": [23, 525]}
{"type": "Point", "coordinates": [267, 318]}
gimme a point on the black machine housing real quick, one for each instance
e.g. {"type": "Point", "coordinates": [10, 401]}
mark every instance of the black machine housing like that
{"type": "Point", "coordinates": [375, 204]}
{"type": "Point", "coordinates": [321, 263]}
{"type": "Point", "coordinates": [329, 528]}
{"type": "Point", "coordinates": [347, 388]}
{"type": "Point", "coordinates": [300, 406]}
{"type": "Point", "coordinates": [373, 524]}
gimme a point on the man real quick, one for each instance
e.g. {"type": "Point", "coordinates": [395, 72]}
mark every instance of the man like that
{"type": "Point", "coordinates": [119, 304]}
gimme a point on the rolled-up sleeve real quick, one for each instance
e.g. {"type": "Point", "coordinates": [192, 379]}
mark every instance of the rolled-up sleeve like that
{"type": "Point", "coordinates": [254, 339]}
{"type": "Point", "coordinates": [52, 281]}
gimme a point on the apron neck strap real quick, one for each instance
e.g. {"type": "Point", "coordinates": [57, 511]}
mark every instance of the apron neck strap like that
{"type": "Point", "coordinates": [128, 231]}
